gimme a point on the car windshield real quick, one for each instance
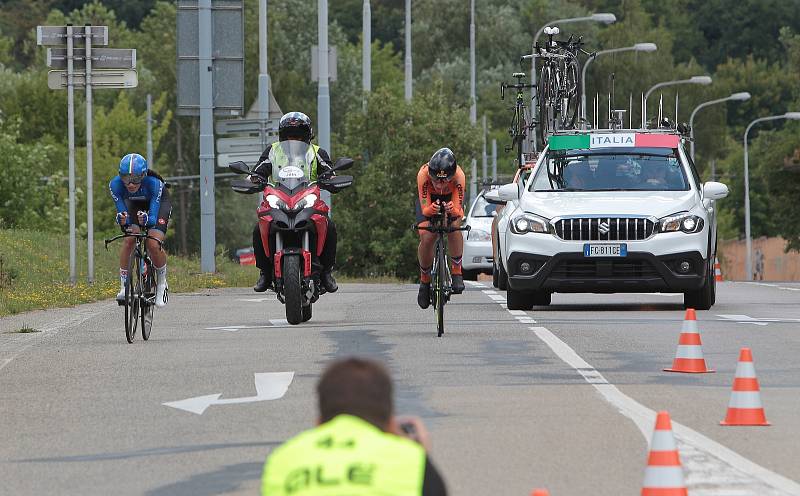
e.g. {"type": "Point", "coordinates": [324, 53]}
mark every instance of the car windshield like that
{"type": "Point", "coordinates": [483, 208]}
{"type": "Point", "coordinates": [618, 169]}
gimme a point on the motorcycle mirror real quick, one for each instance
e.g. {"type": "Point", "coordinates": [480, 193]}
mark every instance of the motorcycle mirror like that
{"type": "Point", "coordinates": [239, 167]}
{"type": "Point", "coordinates": [336, 183]}
{"type": "Point", "coordinates": [245, 187]}
{"type": "Point", "coordinates": [343, 163]}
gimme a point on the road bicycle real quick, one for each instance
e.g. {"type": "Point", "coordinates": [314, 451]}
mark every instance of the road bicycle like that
{"type": "Point", "coordinates": [441, 280]}
{"type": "Point", "coordinates": [558, 91]}
{"type": "Point", "coordinates": [521, 122]}
{"type": "Point", "coordinates": [140, 288]}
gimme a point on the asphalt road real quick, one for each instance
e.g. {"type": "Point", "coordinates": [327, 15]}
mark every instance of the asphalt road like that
{"type": "Point", "coordinates": [561, 397]}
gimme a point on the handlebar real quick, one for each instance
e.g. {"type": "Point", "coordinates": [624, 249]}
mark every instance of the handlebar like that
{"type": "Point", "coordinates": [440, 229]}
{"type": "Point", "coordinates": [134, 235]}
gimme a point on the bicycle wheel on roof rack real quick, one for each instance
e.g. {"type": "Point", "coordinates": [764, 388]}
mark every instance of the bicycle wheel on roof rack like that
{"type": "Point", "coordinates": [545, 96]}
{"type": "Point", "coordinates": [570, 99]}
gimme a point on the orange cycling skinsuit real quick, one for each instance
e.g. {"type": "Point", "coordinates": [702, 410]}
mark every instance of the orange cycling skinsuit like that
{"type": "Point", "coordinates": [440, 181]}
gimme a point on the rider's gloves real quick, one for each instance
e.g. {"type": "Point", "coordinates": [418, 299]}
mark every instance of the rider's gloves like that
{"type": "Point", "coordinates": [144, 218]}
{"type": "Point", "coordinates": [122, 218]}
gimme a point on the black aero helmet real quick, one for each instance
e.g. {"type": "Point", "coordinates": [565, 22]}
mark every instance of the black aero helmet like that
{"type": "Point", "coordinates": [295, 125]}
{"type": "Point", "coordinates": [442, 164]}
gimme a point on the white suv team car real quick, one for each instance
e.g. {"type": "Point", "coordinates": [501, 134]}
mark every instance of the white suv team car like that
{"type": "Point", "coordinates": [478, 240]}
{"type": "Point", "coordinates": [607, 212]}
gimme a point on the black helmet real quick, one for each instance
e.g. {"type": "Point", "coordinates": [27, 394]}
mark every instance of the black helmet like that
{"type": "Point", "coordinates": [442, 164]}
{"type": "Point", "coordinates": [295, 125]}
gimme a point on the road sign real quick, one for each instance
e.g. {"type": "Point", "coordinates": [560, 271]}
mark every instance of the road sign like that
{"type": "Point", "coordinates": [57, 35]}
{"type": "Point", "coordinates": [101, 79]}
{"type": "Point", "coordinates": [269, 386]}
{"type": "Point", "coordinates": [244, 144]}
{"type": "Point", "coordinates": [102, 58]}
{"type": "Point", "coordinates": [250, 158]}
{"type": "Point", "coordinates": [227, 39]}
{"type": "Point", "coordinates": [246, 126]}
{"type": "Point", "coordinates": [332, 58]}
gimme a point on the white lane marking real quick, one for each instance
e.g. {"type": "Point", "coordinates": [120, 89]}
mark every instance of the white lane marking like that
{"type": "Point", "coordinates": [255, 300]}
{"type": "Point", "coordinates": [518, 312]}
{"type": "Point", "coordinates": [279, 322]}
{"type": "Point", "coordinates": [787, 288]}
{"type": "Point", "coordinates": [744, 319]}
{"type": "Point", "coordinates": [489, 291]}
{"type": "Point", "coordinates": [711, 468]}
{"type": "Point", "coordinates": [526, 320]}
{"type": "Point", "coordinates": [237, 328]}
{"type": "Point", "coordinates": [269, 386]}
{"type": "Point", "coordinates": [5, 362]}
{"type": "Point", "coordinates": [496, 297]}
{"type": "Point", "coordinates": [657, 294]}
{"type": "Point", "coordinates": [475, 284]}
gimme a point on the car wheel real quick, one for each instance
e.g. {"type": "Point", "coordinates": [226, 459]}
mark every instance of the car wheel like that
{"type": "Point", "coordinates": [519, 300]}
{"type": "Point", "coordinates": [495, 276]}
{"type": "Point", "coordinates": [502, 277]}
{"type": "Point", "coordinates": [470, 275]}
{"type": "Point", "coordinates": [703, 298]}
{"type": "Point", "coordinates": [541, 298]}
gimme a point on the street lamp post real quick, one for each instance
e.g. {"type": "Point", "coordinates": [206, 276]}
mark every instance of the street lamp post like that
{"type": "Point", "coordinates": [604, 17]}
{"type": "Point", "coordinates": [749, 245]}
{"type": "Point", "coordinates": [737, 97]}
{"type": "Point", "coordinates": [639, 47]}
{"type": "Point", "coordinates": [691, 80]}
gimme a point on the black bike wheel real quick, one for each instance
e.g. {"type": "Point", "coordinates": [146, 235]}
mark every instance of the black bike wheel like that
{"type": "Point", "coordinates": [148, 299]}
{"type": "Point", "coordinates": [292, 289]}
{"type": "Point", "coordinates": [571, 96]}
{"type": "Point", "coordinates": [440, 289]}
{"type": "Point", "coordinates": [131, 298]}
{"type": "Point", "coordinates": [544, 95]}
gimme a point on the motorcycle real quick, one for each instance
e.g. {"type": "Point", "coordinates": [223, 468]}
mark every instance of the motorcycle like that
{"type": "Point", "coordinates": [293, 222]}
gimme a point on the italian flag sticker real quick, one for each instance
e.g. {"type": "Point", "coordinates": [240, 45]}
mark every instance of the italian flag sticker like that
{"type": "Point", "coordinates": [613, 140]}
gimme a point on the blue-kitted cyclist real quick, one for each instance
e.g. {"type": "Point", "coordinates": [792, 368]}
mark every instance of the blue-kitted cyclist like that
{"type": "Point", "coordinates": [141, 198]}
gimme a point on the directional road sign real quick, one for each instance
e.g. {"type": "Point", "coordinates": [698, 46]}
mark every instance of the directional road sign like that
{"type": "Point", "coordinates": [244, 144]}
{"type": "Point", "coordinates": [57, 35]}
{"type": "Point", "coordinates": [102, 58]}
{"type": "Point", "coordinates": [101, 79]}
{"type": "Point", "coordinates": [246, 126]}
{"type": "Point", "coordinates": [250, 158]}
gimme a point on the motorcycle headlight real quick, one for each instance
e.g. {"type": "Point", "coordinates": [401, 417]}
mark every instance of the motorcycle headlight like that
{"type": "Point", "coordinates": [478, 235]}
{"type": "Point", "coordinates": [272, 201]}
{"type": "Point", "coordinates": [526, 223]}
{"type": "Point", "coordinates": [310, 199]}
{"type": "Point", "coordinates": [684, 222]}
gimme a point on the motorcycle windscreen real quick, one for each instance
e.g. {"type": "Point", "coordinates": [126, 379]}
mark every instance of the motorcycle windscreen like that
{"type": "Point", "coordinates": [292, 159]}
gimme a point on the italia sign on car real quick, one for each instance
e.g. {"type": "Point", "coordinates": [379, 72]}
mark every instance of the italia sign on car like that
{"type": "Point", "coordinates": [612, 140]}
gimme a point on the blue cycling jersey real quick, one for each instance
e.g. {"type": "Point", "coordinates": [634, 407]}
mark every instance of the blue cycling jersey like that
{"type": "Point", "coordinates": [150, 191]}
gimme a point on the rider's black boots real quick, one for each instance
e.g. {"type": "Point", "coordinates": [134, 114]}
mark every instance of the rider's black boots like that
{"type": "Point", "coordinates": [263, 283]}
{"type": "Point", "coordinates": [329, 282]}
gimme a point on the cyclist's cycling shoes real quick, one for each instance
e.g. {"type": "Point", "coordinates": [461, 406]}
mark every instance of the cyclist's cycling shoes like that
{"type": "Point", "coordinates": [162, 293]}
{"type": "Point", "coordinates": [424, 295]}
{"type": "Point", "coordinates": [121, 295]}
{"type": "Point", "coordinates": [458, 283]}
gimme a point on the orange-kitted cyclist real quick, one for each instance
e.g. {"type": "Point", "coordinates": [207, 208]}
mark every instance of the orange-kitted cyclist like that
{"type": "Point", "coordinates": [440, 182]}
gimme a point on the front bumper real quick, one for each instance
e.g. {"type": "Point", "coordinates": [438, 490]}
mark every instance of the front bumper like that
{"type": "Point", "coordinates": [477, 255]}
{"type": "Point", "coordinates": [637, 272]}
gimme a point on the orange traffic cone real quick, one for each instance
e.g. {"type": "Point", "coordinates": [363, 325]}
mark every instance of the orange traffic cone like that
{"type": "Point", "coordinates": [540, 492]}
{"type": "Point", "coordinates": [745, 407]}
{"type": "Point", "coordinates": [663, 475]}
{"type": "Point", "coordinates": [689, 356]}
{"type": "Point", "coordinates": [717, 270]}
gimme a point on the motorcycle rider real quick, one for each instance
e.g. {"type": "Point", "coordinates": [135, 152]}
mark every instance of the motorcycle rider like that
{"type": "Point", "coordinates": [295, 126]}
{"type": "Point", "coordinates": [440, 181]}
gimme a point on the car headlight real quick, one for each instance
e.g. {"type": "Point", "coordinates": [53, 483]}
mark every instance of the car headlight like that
{"type": "Point", "coordinates": [478, 235]}
{"type": "Point", "coordinates": [683, 221]}
{"type": "Point", "coordinates": [272, 201]}
{"type": "Point", "coordinates": [526, 223]}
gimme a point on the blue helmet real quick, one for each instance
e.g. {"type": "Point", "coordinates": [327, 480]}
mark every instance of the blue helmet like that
{"type": "Point", "coordinates": [133, 168]}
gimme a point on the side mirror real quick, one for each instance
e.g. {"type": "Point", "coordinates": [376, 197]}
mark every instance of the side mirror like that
{"type": "Point", "coordinates": [493, 197]}
{"type": "Point", "coordinates": [343, 163]}
{"type": "Point", "coordinates": [239, 167]}
{"type": "Point", "coordinates": [508, 192]}
{"type": "Point", "coordinates": [714, 191]}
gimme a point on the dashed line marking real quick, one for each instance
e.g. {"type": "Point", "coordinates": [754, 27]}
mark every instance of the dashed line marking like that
{"type": "Point", "coordinates": [711, 468]}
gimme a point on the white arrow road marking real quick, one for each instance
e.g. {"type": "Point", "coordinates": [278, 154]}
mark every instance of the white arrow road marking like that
{"type": "Point", "coordinates": [269, 386]}
{"type": "Point", "coordinates": [711, 468]}
{"type": "Point", "coordinates": [744, 319]}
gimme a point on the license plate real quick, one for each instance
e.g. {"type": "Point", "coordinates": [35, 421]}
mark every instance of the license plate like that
{"type": "Point", "coordinates": [605, 250]}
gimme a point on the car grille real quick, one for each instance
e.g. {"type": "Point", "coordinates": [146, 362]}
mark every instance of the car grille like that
{"type": "Point", "coordinates": [607, 269]}
{"type": "Point", "coordinates": [604, 228]}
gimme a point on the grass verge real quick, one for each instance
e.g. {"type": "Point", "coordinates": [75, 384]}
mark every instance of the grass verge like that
{"type": "Point", "coordinates": [34, 272]}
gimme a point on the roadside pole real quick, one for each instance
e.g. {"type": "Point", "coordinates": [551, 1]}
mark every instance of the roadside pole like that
{"type": "Point", "coordinates": [408, 73]}
{"type": "Point", "coordinates": [366, 53]}
{"type": "Point", "coordinates": [73, 278]}
{"type": "Point", "coordinates": [207, 205]}
{"type": "Point", "coordinates": [149, 130]}
{"type": "Point", "coordinates": [89, 156]}
{"type": "Point", "coordinates": [323, 90]}
{"type": "Point", "coordinates": [494, 160]}
{"type": "Point", "coordinates": [485, 164]}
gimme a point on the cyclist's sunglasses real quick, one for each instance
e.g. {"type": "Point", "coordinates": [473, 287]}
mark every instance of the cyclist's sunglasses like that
{"type": "Point", "coordinates": [132, 178]}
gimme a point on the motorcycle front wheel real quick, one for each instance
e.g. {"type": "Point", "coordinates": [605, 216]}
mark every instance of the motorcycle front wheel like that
{"type": "Point", "coordinates": [292, 289]}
